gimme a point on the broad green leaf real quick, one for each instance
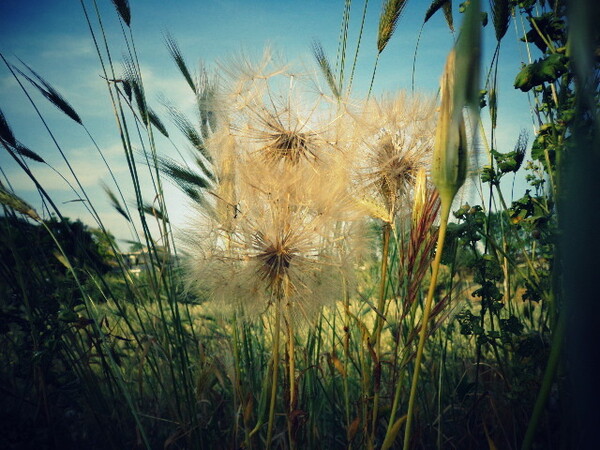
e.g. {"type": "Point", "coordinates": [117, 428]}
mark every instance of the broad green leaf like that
{"type": "Point", "coordinates": [544, 70]}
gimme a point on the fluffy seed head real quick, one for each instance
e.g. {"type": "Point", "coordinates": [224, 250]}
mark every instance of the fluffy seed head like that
{"type": "Point", "coordinates": [396, 142]}
{"type": "Point", "coordinates": [287, 243]}
{"type": "Point", "coordinates": [283, 225]}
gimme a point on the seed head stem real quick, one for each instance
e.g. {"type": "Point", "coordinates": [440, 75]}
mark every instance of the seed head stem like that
{"type": "Point", "coordinates": [275, 370]}
{"type": "Point", "coordinates": [445, 213]}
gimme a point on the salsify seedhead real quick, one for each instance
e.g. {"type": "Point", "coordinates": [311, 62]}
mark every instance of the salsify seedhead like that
{"type": "Point", "coordinates": [282, 227]}
{"type": "Point", "coordinates": [396, 139]}
{"type": "Point", "coordinates": [276, 113]}
{"type": "Point", "coordinates": [287, 244]}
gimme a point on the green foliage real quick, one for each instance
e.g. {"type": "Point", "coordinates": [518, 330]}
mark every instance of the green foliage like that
{"type": "Point", "coordinates": [546, 28]}
{"type": "Point", "coordinates": [507, 162]}
{"type": "Point", "coordinates": [44, 321]}
{"type": "Point", "coordinates": [500, 17]}
{"type": "Point", "coordinates": [30, 243]}
{"type": "Point", "coordinates": [545, 70]}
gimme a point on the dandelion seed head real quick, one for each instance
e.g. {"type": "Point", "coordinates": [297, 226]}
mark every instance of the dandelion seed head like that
{"type": "Point", "coordinates": [286, 245]}
{"type": "Point", "coordinates": [285, 227]}
{"type": "Point", "coordinates": [396, 141]}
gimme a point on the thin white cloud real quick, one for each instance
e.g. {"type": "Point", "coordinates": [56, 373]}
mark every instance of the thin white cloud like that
{"type": "Point", "coordinates": [67, 47]}
{"type": "Point", "coordinates": [86, 163]}
{"type": "Point", "coordinates": [7, 84]}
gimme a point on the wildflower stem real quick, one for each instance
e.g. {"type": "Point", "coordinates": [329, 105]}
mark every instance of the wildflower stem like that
{"type": "Point", "coordinates": [290, 332]}
{"type": "Point", "coordinates": [549, 374]}
{"type": "Point", "coordinates": [346, 355]}
{"type": "Point", "coordinates": [292, 370]}
{"type": "Point", "coordinates": [389, 436]}
{"type": "Point", "coordinates": [274, 375]}
{"type": "Point", "coordinates": [445, 213]}
{"type": "Point", "coordinates": [360, 33]}
{"type": "Point", "coordinates": [236, 360]}
{"type": "Point", "coordinates": [379, 324]}
{"type": "Point", "coordinates": [373, 76]}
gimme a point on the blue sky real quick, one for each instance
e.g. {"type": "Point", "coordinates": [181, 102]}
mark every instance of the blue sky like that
{"type": "Point", "coordinates": [53, 38]}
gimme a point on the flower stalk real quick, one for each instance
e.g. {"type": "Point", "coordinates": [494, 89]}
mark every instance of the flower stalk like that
{"type": "Point", "coordinates": [459, 87]}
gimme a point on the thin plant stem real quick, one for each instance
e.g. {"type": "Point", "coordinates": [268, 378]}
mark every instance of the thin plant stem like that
{"type": "Point", "coordinates": [387, 441]}
{"type": "Point", "coordinates": [274, 373]}
{"type": "Point", "coordinates": [549, 374]}
{"type": "Point", "coordinates": [379, 325]}
{"type": "Point", "coordinates": [445, 213]}
{"type": "Point", "coordinates": [373, 76]}
{"type": "Point", "coordinates": [237, 388]}
{"type": "Point", "coordinates": [292, 372]}
{"type": "Point", "coordinates": [360, 33]}
{"type": "Point", "coordinates": [414, 64]}
{"type": "Point", "coordinates": [346, 346]}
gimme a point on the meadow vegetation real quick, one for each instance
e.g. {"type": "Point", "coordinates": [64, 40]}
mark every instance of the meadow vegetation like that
{"type": "Point", "coordinates": [331, 292]}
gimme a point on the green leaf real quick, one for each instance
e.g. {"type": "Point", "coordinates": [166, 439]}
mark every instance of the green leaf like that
{"type": "Point", "coordinates": [511, 161]}
{"type": "Point", "coordinates": [544, 142]}
{"type": "Point", "coordinates": [511, 325]}
{"type": "Point", "coordinates": [552, 28]}
{"type": "Point", "coordinates": [488, 175]}
{"type": "Point", "coordinates": [547, 70]}
{"type": "Point", "coordinates": [391, 436]}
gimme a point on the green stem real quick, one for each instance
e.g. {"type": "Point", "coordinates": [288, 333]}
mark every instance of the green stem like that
{"type": "Point", "coordinates": [292, 375]}
{"type": "Point", "coordinates": [274, 375]}
{"type": "Point", "coordinates": [373, 76]}
{"type": "Point", "coordinates": [549, 374]}
{"type": "Point", "coordinates": [237, 388]}
{"type": "Point", "coordinates": [379, 325]}
{"type": "Point", "coordinates": [445, 213]}
{"type": "Point", "coordinates": [360, 33]}
{"type": "Point", "coordinates": [346, 355]}
{"type": "Point", "coordinates": [389, 439]}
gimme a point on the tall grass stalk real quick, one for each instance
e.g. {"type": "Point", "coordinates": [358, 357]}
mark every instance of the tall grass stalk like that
{"type": "Point", "coordinates": [274, 374]}
{"type": "Point", "coordinates": [381, 307]}
{"type": "Point", "coordinates": [458, 89]}
{"type": "Point", "coordinates": [391, 12]}
{"type": "Point", "coordinates": [444, 215]}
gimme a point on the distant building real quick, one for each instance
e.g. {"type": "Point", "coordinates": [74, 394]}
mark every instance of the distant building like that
{"type": "Point", "coordinates": [139, 261]}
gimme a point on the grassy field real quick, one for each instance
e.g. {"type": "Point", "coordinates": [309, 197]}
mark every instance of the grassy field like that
{"type": "Point", "coordinates": [332, 292]}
